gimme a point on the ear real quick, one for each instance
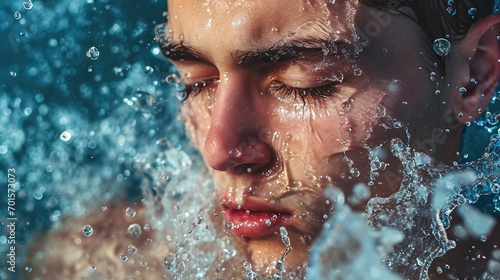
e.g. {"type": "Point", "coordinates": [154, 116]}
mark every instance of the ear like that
{"type": "Point", "coordinates": [480, 51]}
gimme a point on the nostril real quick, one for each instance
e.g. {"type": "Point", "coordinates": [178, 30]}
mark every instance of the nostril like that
{"type": "Point", "coordinates": [245, 168]}
{"type": "Point", "coordinates": [249, 157]}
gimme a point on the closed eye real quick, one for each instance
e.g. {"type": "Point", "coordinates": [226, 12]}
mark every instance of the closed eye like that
{"type": "Point", "coordinates": [196, 88]}
{"type": "Point", "coordinates": [322, 91]}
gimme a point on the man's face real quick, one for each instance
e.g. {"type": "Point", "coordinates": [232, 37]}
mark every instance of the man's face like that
{"type": "Point", "coordinates": [287, 98]}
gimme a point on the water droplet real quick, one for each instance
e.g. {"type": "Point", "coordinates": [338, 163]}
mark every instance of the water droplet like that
{"type": "Point", "coordinates": [104, 208]}
{"type": "Point", "coordinates": [347, 105]}
{"type": "Point", "coordinates": [134, 230]}
{"type": "Point", "coordinates": [462, 90]}
{"type": "Point", "coordinates": [93, 53]}
{"type": "Point", "coordinates": [432, 76]}
{"type": "Point", "coordinates": [131, 249]}
{"type": "Point", "coordinates": [66, 135]}
{"type": "Point", "coordinates": [123, 258]}
{"type": "Point", "coordinates": [27, 4]}
{"type": "Point", "coordinates": [130, 212]}
{"type": "Point", "coordinates": [23, 33]}
{"type": "Point", "coordinates": [173, 79]}
{"type": "Point", "coordinates": [181, 94]}
{"type": "Point", "coordinates": [472, 11]}
{"type": "Point", "coordinates": [87, 230]}
{"type": "Point", "coordinates": [147, 227]}
{"type": "Point", "coordinates": [460, 114]}
{"type": "Point", "coordinates": [381, 111]}
{"type": "Point", "coordinates": [17, 15]}
{"type": "Point", "coordinates": [268, 222]}
{"type": "Point", "coordinates": [357, 72]}
{"type": "Point", "coordinates": [491, 118]}
{"type": "Point", "coordinates": [495, 188]}
{"type": "Point", "coordinates": [247, 266]}
{"type": "Point", "coordinates": [451, 11]}
{"type": "Point", "coordinates": [496, 202]}
{"type": "Point", "coordinates": [93, 267]}
{"type": "Point", "coordinates": [148, 69]}
{"type": "Point", "coordinates": [441, 46]}
{"type": "Point", "coordinates": [28, 269]}
{"type": "Point", "coordinates": [439, 270]}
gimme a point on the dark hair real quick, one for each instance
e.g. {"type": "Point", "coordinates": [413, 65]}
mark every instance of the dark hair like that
{"type": "Point", "coordinates": [441, 18]}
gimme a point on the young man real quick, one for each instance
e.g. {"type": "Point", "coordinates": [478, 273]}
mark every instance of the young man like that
{"type": "Point", "coordinates": [285, 98]}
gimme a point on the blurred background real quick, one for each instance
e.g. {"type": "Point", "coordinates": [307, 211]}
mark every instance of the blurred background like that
{"type": "Point", "coordinates": [83, 100]}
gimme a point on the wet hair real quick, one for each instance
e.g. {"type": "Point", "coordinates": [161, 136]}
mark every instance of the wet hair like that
{"type": "Point", "coordinates": [441, 18]}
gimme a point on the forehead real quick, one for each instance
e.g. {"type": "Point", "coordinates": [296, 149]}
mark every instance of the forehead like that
{"type": "Point", "coordinates": [246, 24]}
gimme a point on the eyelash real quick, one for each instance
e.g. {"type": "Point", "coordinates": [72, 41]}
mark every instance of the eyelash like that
{"type": "Point", "coordinates": [196, 88]}
{"type": "Point", "coordinates": [277, 87]}
{"type": "Point", "coordinates": [321, 91]}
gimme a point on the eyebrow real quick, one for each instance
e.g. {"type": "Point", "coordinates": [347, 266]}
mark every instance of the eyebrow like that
{"type": "Point", "coordinates": [179, 52]}
{"type": "Point", "coordinates": [288, 51]}
{"type": "Point", "coordinates": [307, 49]}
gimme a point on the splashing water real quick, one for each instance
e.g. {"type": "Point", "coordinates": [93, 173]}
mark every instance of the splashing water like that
{"type": "Point", "coordinates": [378, 244]}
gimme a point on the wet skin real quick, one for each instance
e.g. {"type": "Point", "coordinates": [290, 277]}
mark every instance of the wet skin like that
{"type": "Point", "coordinates": [284, 100]}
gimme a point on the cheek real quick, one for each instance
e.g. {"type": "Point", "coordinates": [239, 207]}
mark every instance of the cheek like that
{"type": "Point", "coordinates": [196, 115]}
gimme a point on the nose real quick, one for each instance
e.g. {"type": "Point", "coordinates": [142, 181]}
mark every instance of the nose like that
{"type": "Point", "coordinates": [232, 143]}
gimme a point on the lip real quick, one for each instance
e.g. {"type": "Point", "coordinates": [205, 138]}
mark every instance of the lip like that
{"type": "Point", "coordinates": [254, 218]}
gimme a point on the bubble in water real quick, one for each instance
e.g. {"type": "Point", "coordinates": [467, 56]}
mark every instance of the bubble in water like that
{"type": "Point", "coordinates": [462, 90]}
{"type": "Point", "coordinates": [27, 4]}
{"type": "Point", "coordinates": [472, 11]}
{"type": "Point", "coordinates": [357, 72]}
{"type": "Point", "coordinates": [130, 212]}
{"type": "Point", "coordinates": [87, 230]}
{"type": "Point", "coordinates": [104, 208]}
{"type": "Point", "coordinates": [173, 79]}
{"type": "Point", "coordinates": [23, 33]}
{"type": "Point", "coordinates": [13, 74]}
{"type": "Point", "coordinates": [131, 249]}
{"type": "Point", "coordinates": [147, 227]}
{"type": "Point", "coordinates": [17, 15]}
{"type": "Point", "coordinates": [134, 230]}
{"type": "Point", "coordinates": [123, 258]}
{"type": "Point", "coordinates": [28, 269]}
{"type": "Point", "coordinates": [93, 53]}
{"type": "Point", "coordinates": [441, 46]}
{"type": "Point", "coordinates": [66, 136]}
{"type": "Point", "coordinates": [331, 1]}
{"type": "Point", "coordinates": [268, 222]}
